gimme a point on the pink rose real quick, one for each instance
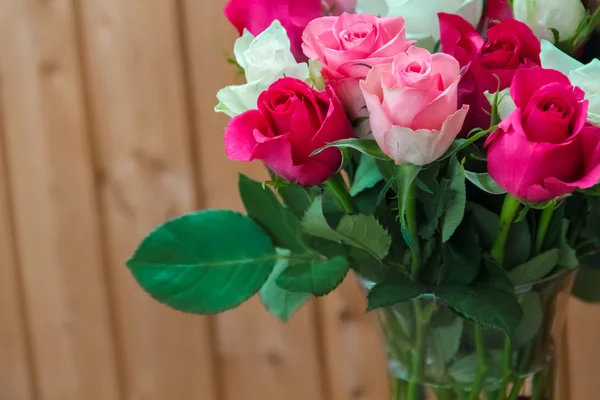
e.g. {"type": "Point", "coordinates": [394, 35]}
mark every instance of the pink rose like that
{"type": "Point", "coordinates": [338, 7]}
{"type": "Point", "coordinates": [258, 15]}
{"type": "Point", "coordinates": [510, 46]}
{"type": "Point", "coordinates": [348, 46]}
{"type": "Point", "coordinates": [413, 105]}
{"type": "Point", "coordinates": [544, 150]}
{"type": "Point", "coordinates": [291, 122]}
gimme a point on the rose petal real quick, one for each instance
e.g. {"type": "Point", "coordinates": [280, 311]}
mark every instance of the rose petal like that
{"type": "Point", "coordinates": [239, 135]}
{"type": "Point", "coordinates": [433, 116]}
{"type": "Point", "coordinates": [527, 81]}
{"type": "Point", "coordinates": [422, 147]}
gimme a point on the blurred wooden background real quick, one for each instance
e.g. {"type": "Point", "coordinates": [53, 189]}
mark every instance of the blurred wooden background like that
{"type": "Point", "coordinates": [107, 129]}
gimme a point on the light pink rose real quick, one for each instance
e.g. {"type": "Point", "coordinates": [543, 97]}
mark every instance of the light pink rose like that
{"type": "Point", "coordinates": [413, 105]}
{"type": "Point", "coordinates": [348, 46]}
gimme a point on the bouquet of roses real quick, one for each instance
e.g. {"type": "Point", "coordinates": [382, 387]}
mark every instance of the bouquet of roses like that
{"type": "Point", "coordinates": [448, 153]}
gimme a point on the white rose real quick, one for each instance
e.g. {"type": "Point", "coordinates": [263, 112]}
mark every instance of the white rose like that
{"type": "Point", "coordinates": [544, 15]}
{"type": "Point", "coordinates": [265, 59]}
{"type": "Point", "coordinates": [421, 16]}
{"type": "Point", "coordinates": [586, 76]}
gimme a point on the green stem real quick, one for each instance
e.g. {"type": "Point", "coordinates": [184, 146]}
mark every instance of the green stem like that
{"type": "Point", "coordinates": [509, 212]}
{"type": "Point", "coordinates": [481, 362]}
{"type": "Point", "coordinates": [539, 384]}
{"type": "Point", "coordinates": [411, 220]}
{"type": "Point", "coordinates": [398, 388]}
{"type": "Point", "coordinates": [506, 368]}
{"type": "Point", "coordinates": [418, 361]}
{"type": "Point", "coordinates": [338, 187]}
{"type": "Point", "coordinates": [543, 228]}
{"type": "Point", "coordinates": [516, 390]}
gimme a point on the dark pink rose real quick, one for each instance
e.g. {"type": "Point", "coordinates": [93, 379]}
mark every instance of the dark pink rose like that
{"type": "Point", "coordinates": [544, 149]}
{"type": "Point", "coordinates": [510, 46]}
{"type": "Point", "coordinates": [291, 122]}
{"type": "Point", "coordinates": [348, 46]}
{"type": "Point", "coordinates": [338, 7]}
{"type": "Point", "coordinates": [497, 10]}
{"type": "Point", "coordinates": [257, 15]}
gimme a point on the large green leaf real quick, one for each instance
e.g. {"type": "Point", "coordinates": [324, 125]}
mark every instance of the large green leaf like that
{"type": "Point", "coordinates": [487, 224]}
{"type": "Point", "coordinates": [397, 290]}
{"type": "Point", "coordinates": [365, 146]}
{"type": "Point", "coordinates": [316, 277]}
{"type": "Point", "coordinates": [455, 207]}
{"type": "Point", "coordinates": [532, 321]}
{"type": "Point", "coordinates": [484, 182]}
{"type": "Point", "coordinates": [445, 340]}
{"type": "Point", "coordinates": [205, 262]}
{"type": "Point", "coordinates": [367, 175]}
{"type": "Point", "coordinates": [462, 256]}
{"type": "Point", "coordinates": [263, 207]}
{"type": "Point", "coordinates": [489, 307]}
{"type": "Point", "coordinates": [279, 302]}
{"type": "Point", "coordinates": [361, 231]}
{"type": "Point", "coordinates": [535, 269]}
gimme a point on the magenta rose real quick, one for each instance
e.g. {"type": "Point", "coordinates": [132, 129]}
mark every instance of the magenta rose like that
{"type": "Point", "coordinates": [412, 104]}
{"type": "Point", "coordinates": [291, 122]}
{"type": "Point", "coordinates": [348, 46]}
{"type": "Point", "coordinates": [510, 46]}
{"type": "Point", "coordinates": [258, 15]}
{"type": "Point", "coordinates": [338, 7]}
{"type": "Point", "coordinates": [544, 150]}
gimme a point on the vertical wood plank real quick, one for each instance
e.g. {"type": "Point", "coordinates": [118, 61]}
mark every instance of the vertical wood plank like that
{"type": "Point", "coordinates": [260, 358]}
{"type": "Point", "coordinates": [141, 134]}
{"type": "Point", "coordinates": [53, 201]}
{"type": "Point", "coordinates": [584, 352]}
{"type": "Point", "coordinates": [16, 381]}
{"type": "Point", "coordinates": [353, 347]}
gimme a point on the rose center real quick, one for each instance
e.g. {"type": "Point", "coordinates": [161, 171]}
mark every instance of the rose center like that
{"type": "Point", "coordinates": [281, 102]}
{"type": "Point", "coordinates": [554, 107]}
{"type": "Point", "coordinates": [357, 32]}
{"type": "Point", "coordinates": [417, 67]}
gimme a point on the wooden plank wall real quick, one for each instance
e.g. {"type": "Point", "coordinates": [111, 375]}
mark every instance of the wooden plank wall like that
{"type": "Point", "coordinates": [106, 129]}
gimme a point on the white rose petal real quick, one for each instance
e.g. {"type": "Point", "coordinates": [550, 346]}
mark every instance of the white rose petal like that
{"type": "Point", "coordinates": [587, 77]}
{"type": "Point", "coordinates": [544, 15]}
{"type": "Point", "coordinates": [265, 59]}
{"type": "Point", "coordinates": [421, 16]}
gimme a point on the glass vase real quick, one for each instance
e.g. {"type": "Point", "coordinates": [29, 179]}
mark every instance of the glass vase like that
{"type": "Point", "coordinates": [435, 354]}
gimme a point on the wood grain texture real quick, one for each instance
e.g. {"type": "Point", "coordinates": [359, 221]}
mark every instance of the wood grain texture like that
{"type": "Point", "coordinates": [259, 358]}
{"type": "Point", "coordinates": [141, 136]}
{"type": "Point", "coordinates": [53, 198]}
{"type": "Point", "coordinates": [16, 380]}
{"type": "Point", "coordinates": [355, 357]}
{"type": "Point", "coordinates": [583, 350]}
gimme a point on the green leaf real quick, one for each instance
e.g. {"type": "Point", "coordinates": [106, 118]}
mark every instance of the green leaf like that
{"type": "Point", "coordinates": [193, 264]}
{"type": "Point", "coordinates": [366, 201]}
{"type": "Point", "coordinates": [487, 224]}
{"type": "Point", "coordinates": [532, 320]}
{"type": "Point", "coordinates": [263, 207]}
{"type": "Point", "coordinates": [397, 290]}
{"type": "Point", "coordinates": [432, 195]}
{"type": "Point", "coordinates": [591, 259]}
{"type": "Point", "coordinates": [535, 269]}
{"type": "Point", "coordinates": [466, 370]}
{"type": "Point", "coordinates": [367, 175]}
{"type": "Point", "coordinates": [568, 256]}
{"type": "Point", "coordinates": [489, 307]}
{"type": "Point", "coordinates": [484, 182]}
{"type": "Point", "coordinates": [316, 277]}
{"type": "Point", "coordinates": [445, 340]}
{"type": "Point", "coordinates": [405, 176]}
{"type": "Point", "coordinates": [462, 257]}
{"type": "Point", "coordinates": [361, 231]}
{"type": "Point", "coordinates": [518, 244]}
{"type": "Point", "coordinates": [279, 302]}
{"type": "Point", "coordinates": [365, 146]}
{"type": "Point", "coordinates": [455, 209]}
{"type": "Point", "coordinates": [495, 277]}
{"type": "Point", "coordinates": [297, 198]}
